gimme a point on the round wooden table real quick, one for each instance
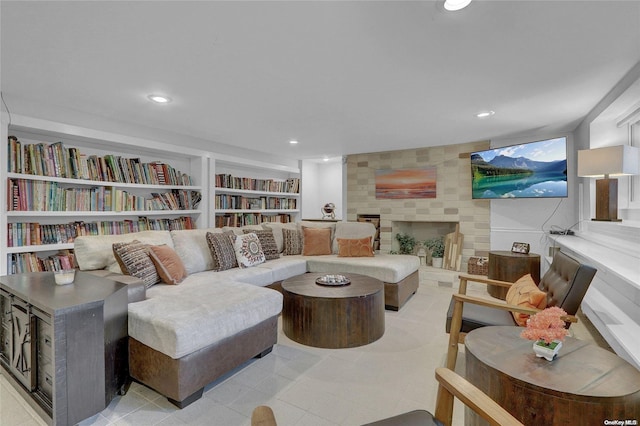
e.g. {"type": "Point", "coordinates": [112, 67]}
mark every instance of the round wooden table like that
{"type": "Point", "coordinates": [584, 385]}
{"type": "Point", "coordinates": [333, 316]}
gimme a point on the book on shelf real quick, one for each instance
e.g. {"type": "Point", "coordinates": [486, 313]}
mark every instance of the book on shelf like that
{"type": "Point", "coordinates": [35, 233]}
{"type": "Point", "coordinates": [56, 160]}
{"type": "Point", "coordinates": [242, 219]}
{"type": "Point", "coordinates": [30, 262]}
{"type": "Point", "coordinates": [289, 185]}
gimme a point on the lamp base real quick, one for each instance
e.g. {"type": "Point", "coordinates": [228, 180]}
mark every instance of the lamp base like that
{"type": "Point", "coordinates": [607, 200]}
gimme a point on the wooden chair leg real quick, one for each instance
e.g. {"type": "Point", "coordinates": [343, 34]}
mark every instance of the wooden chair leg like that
{"type": "Point", "coordinates": [444, 406]}
{"type": "Point", "coordinates": [454, 335]}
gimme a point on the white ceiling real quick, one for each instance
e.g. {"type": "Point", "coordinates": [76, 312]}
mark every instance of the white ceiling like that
{"type": "Point", "coordinates": [340, 77]}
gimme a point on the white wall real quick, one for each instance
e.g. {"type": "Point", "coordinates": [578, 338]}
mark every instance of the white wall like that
{"type": "Point", "coordinates": [321, 184]}
{"type": "Point", "coordinates": [530, 220]}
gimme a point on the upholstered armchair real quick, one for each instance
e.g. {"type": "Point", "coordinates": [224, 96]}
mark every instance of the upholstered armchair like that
{"type": "Point", "coordinates": [565, 285]}
{"type": "Point", "coordinates": [450, 386]}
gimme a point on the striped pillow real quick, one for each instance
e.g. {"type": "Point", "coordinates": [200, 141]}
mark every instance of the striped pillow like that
{"type": "Point", "coordinates": [134, 260]}
{"type": "Point", "coordinates": [222, 250]}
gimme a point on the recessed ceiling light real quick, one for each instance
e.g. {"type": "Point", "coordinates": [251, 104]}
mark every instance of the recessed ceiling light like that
{"type": "Point", "coordinates": [485, 114]}
{"type": "Point", "coordinates": [159, 99]}
{"type": "Point", "coordinates": [293, 141]}
{"type": "Point", "coordinates": [325, 159]}
{"type": "Point", "coordinates": [453, 5]}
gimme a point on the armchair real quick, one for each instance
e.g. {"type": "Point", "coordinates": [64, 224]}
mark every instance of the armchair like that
{"type": "Point", "coordinates": [565, 284]}
{"type": "Point", "coordinates": [450, 385]}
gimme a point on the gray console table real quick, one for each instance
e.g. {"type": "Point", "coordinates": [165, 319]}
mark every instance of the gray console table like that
{"type": "Point", "coordinates": [64, 348]}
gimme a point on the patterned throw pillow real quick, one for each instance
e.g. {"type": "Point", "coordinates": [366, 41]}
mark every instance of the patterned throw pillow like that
{"type": "Point", "coordinates": [316, 241]}
{"type": "Point", "coordinates": [134, 260]}
{"type": "Point", "coordinates": [354, 247]}
{"type": "Point", "coordinates": [222, 251]}
{"type": "Point", "coordinates": [292, 240]}
{"type": "Point", "coordinates": [248, 250]}
{"type": "Point", "coordinates": [525, 293]}
{"type": "Point", "coordinates": [168, 264]}
{"type": "Point", "coordinates": [268, 243]}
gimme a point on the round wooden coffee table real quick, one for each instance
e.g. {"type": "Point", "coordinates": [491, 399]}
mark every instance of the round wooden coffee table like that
{"type": "Point", "coordinates": [584, 385]}
{"type": "Point", "coordinates": [333, 316]}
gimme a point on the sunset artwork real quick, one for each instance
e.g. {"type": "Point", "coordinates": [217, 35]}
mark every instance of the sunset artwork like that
{"type": "Point", "coordinates": [406, 183]}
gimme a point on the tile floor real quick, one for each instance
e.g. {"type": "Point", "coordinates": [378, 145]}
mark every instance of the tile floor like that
{"type": "Point", "coordinates": [305, 385]}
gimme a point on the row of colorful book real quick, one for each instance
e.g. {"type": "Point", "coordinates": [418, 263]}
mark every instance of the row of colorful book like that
{"type": "Point", "coordinates": [226, 201]}
{"type": "Point", "coordinates": [33, 233]}
{"type": "Point", "coordinates": [56, 160]}
{"type": "Point", "coordinates": [242, 219]}
{"type": "Point", "coordinates": [20, 263]}
{"type": "Point", "coordinates": [30, 195]}
{"type": "Point", "coordinates": [290, 185]}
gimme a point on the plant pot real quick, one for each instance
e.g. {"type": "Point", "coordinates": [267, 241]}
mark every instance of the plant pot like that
{"type": "Point", "coordinates": [436, 262]}
{"type": "Point", "coordinates": [547, 351]}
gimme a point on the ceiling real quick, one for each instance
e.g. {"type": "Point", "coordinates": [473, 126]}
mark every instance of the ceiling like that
{"type": "Point", "coordinates": [341, 77]}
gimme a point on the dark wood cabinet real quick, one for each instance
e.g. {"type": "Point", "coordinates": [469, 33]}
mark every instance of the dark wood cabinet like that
{"type": "Point", "coordinates": [510, 266]}
{"type": "Point", "coordinates": [64, 348]}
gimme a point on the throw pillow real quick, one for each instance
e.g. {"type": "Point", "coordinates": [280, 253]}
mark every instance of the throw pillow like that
{"type": "Point", "coordinates": [168, 264]}
{"type": "Point", "coordinates": [268, 243]}
{"type": "Point", "coordinates": [222, 250]}
{"type": "Point", "coordinates": [316, 241]}
{"type": "Point", "coordinates": [354, 247]}
{"type": "Point", "coordinates": [292, 241]}
{"type": "Point", "coordinates": [525, 293]}
{"type": "Point", "coordinates": [133, 258]}
{"type": "Point", "coordinates": [248, 250]}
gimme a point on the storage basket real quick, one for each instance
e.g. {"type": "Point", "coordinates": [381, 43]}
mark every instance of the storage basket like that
{"type": "Point", "coordinates": [478, 266]}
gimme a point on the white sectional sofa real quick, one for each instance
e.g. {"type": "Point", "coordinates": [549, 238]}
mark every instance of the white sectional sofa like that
{"type": "Point", "coordinates": [182, 337]}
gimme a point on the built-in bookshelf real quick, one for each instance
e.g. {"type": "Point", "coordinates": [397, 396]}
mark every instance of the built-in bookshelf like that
{"type": "Point", "coordinates": [251, 193]}
{"type": "Point", "coordinates": [62, 181]}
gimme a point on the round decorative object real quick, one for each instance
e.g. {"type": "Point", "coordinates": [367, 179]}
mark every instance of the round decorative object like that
{"type": "Point", "coordinates": [328, 211]}
{"type": "Point", "coordinates": [333, 280]}
{"type": "Point", "coordinates": [547, 351]}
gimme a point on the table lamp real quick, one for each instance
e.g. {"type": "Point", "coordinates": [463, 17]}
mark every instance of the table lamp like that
{"type": "Point", "coordinates": [618, 160]}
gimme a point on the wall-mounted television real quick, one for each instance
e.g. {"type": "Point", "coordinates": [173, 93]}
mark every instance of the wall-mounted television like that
{"type": "Point", "coordinates": [529, 170]}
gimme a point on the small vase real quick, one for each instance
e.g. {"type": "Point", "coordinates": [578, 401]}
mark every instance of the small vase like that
{"type": "Point", "coordinates": [436, 262]}
{"type": "Point", "coordinates": [547, 351]}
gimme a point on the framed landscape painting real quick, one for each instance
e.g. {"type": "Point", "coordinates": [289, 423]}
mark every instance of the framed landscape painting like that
{"type": "Point", "coordinates": [406, 183]}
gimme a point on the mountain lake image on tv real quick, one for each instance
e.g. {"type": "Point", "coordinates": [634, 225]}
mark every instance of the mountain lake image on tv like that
{"type": "Point", "coordinates": [529, 170]}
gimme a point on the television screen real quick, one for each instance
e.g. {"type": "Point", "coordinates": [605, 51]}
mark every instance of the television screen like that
{"type": "Point", "coordinates": [529, 170]}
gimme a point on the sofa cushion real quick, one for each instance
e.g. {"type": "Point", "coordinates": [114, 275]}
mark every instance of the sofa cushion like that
{"type": "Point", "coordinates": [222, 251]}
{"type": "Point", "coordinates": [284, 267]}
{"type": "Point", "coordinates": [133, 258]}
{"type": "Point", "coordinates": [277, 228]}
{"type": "Point", "coordinates": [292, 241]}
{"type": "Point", "coordinates": [178, 320]}
{"type": "Point", "coordinates": [167, 263]}
{"type": "Point", "coordinates": [96, 251]}
{"type": "Point", "coordinates": [355, 247]}
{"type": "Point", "coordinates": [390, 268]}
{"type": "Point", "coordinates": [316, 241]}
{"type": "Point", "coordinates": [191, 245]}
{"type": "Point", "coordinates": [248, 250]}
{"type": "Point", "coordinates": [525, 293]}
{"type": "Point", "coordinates": [353, 230]}
{"type": "Point", "coordinates": [267, 242]}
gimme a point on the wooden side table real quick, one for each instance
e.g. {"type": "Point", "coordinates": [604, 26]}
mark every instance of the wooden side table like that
{"type": "Point", "coordinates": [64, 348]}
{"type": "Point", "coordinates": [584, 385]}
{"type": "Point", "coordinates": [509, 266]}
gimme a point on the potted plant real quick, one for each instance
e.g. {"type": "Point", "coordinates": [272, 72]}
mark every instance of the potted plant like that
{"type": "Point", "coordinates": [407, 243]}
{"type": "Point", "coordinates": [436, 247]}
{"type": "Point", "coordinates": [547, 330]}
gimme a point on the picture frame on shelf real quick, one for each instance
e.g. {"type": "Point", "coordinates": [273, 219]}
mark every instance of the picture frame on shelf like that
{"type": "Point", "coordinates": [522, 248]}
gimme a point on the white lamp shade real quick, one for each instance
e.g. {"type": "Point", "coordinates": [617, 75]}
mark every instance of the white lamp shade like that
{"type": "Point", "coordinates": [611, 160]}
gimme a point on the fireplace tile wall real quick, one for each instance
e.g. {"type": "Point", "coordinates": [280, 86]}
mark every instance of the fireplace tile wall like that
{"type": "Point", "coordinates": [453, 202]}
